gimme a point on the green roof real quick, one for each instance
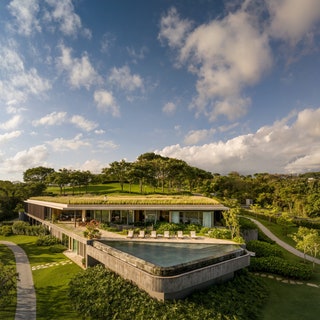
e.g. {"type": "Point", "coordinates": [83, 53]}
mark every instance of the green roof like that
{"type": "Point", "coordinates": [131, 200]}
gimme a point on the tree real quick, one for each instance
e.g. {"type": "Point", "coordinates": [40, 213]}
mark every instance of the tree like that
{"type": "Point", "coordinates": [285, 222]}
{"type": "Point", "coordinates": [232, 221]}
{"type": "Point", "coordinates": [307, 240]}
{"type": "Point", "coordinates": [61, 178]}
{"type": "Point", "coordinates": [37, 174]}
{"type": "Point", "coordinates": [299, 238]}
{"type": "Point", "coordinates": [118, 169]}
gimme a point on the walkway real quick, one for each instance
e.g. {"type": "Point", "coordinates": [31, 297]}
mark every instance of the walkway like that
{"type": "Point", "coordinates": [281, 243]}
{"type": "Point", "coordinates": [26, 295]}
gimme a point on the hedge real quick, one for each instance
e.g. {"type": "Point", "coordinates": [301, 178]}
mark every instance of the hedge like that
{"type": "Point", "coordinates": [264, 249]}
{"type": "Point", "coordinates": [281, 267]}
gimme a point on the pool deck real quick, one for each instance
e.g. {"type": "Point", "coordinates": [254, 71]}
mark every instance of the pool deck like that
{"type": "Point", "coordinates": [105, 235]}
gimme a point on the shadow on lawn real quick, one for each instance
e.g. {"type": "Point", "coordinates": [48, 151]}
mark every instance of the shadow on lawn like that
{"type": "Point", "coordinates": [40, 254]}
{"type": "Point", "coordinates": [53, 303]}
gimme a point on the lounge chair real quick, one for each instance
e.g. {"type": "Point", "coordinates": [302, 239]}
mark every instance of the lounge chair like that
{"type": "Point", "coordinates": [180, 235]}
{"type": "Point", "coordinates": [130, 234]}
{"type": "Point", "coordinates": [141, 234]}
{"type": "Point", "coordinates": [166, 234]}
{"type": "Point", "coordinates": [153, 234]}
{"type": "Point", "coordinates": [193, 235]}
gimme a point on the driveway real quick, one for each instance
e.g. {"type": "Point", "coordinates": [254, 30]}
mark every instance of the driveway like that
{"type": "Point", "coordinates": [26, 295]}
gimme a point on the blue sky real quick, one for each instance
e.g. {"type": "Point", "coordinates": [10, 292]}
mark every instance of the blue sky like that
{"type": "Point", "coordinates": [224, 85]}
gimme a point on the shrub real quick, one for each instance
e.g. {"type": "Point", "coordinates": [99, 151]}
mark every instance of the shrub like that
{"type": "Point", "coordinates": [281, 267]}
{"type": "Point", "coordinates": [238, 240]}
{"type": "Point", "coordinates": [100, 294]}
{"type": "Point", "coordinates": [6, 231]}
{"type": "Point", "coordinates": [246, 224]}
{"type": "Point", "coordinates": [204, 230]}
{"type": "Point", "coordinates": [220, 233]}
{"type": "Point", "coordinates": [264, 249]}
{"type": "Point", "coordinates": [307, 223]}
{"type": "Point", "coordinates": [191, 227]}
{"type": "Point", "coordinates": [172, 227]}
{"type": "Point", "coordinates": [19, 227]}
{"type": "Point", "coordinates": [57, 248]}
{"type": "Point", "coordinates": [47, 240]}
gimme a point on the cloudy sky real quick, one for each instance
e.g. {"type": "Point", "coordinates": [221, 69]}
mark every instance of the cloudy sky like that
{"type": "Point", "coordinates": [225, 85]}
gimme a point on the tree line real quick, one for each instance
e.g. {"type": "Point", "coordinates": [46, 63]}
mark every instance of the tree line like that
{"type": "Point", "coordinates": [149, 169]}
{"type": "Point", "coordinates": [298, 195]}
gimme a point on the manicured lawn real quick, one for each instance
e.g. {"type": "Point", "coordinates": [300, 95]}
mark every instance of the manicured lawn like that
{"type": "Point", "coordinates": [51, 283]}
{"type": "Point", "coordinates": [52, 292]}
{"type": "Point", "coordinates": [291, 302]}
{"type": "Point", "coordinates": [288, 301]}
{"type": "Point", "coordinates": [106, 189]}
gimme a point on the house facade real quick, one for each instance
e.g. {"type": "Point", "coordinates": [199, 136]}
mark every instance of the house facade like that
{"type": "Point", "coordinates": [206, 215]}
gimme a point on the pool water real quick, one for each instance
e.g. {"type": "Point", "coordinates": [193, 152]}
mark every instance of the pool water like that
{"type": "Point", "coordinates": [164, 254]}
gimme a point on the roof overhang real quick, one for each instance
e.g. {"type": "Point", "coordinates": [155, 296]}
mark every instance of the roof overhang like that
{"type": "Point", "coordinates": [169, 207]}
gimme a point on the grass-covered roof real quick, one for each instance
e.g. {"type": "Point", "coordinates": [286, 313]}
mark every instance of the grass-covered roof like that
{"type": "Point", "coordinates": [154, 199]}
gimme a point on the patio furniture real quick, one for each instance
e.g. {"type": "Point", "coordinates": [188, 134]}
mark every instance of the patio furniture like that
{"type": "Point", "coordinates": [141, 234]}
{"type": "Point", "coordinates": [130, 234]}
{"type": "Point", "coordinates": [193, 235]}
{"type": "Point", "coordinates": [153, 234]}
{"type": "Point", "coordinates": [166, 234]}
{"type": "Point", "coordinates": [180, 234]}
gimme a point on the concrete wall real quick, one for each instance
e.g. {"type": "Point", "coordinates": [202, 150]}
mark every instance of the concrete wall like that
{"type": "Point", "coordinates": [174, 287]}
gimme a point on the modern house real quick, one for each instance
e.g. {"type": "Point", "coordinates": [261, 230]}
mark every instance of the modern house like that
{"type": "Point", "coordinates": [129, 210]}
{"type": "Point", "coordinates": [62, 215]}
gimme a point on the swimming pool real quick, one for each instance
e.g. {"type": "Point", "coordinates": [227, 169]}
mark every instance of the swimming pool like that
{"type": "Point", "coordinates": [168, 270]}
{"type": "Point", "coordinates": [169, 258]}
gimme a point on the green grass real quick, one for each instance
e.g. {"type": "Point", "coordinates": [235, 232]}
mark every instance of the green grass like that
{"type": "Point", "coordinates": [52, 292]}
{"type": "Point", "coordinates": [51, 284]}
{"type": "Point", "coordinates": [287, 301]}
{"type": "Point", "coordinates": [291, 302]}
{"type": "Point", "coordinates": [7, 258]}
{"type": "Point", "coordinates": [130, 199]}
{"type": "Point", "coordinates": [107, 188]}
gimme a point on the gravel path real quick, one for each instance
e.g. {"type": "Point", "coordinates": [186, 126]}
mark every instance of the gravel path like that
{"type": "Point", "coordinates": [26, 295]}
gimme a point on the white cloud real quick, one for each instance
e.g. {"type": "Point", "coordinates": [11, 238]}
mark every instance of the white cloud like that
{"type": "Point", "coordinates": [137, 55]}
{"type": "Point", "coordinates": [31, 81]}
{"type": "Point", "coordinates": [11, 109]}
{"type": "Point", "coordinates": [173, 29]}
{"type": "Point", "coordinates": [169, 108]}
{"type": "Point", "coordinates": [106, 144]}
{"type": "Point", "coordinates": [61, 144]}
{"type": "Point", "coordinates": [226, 55]}
{"type": "Point", "coordinates": [11, 123]}
{"type": "Point", "coordinates": [83, 123]}
{"type": "Point", "coordinates": [108, 40]}
{"type": "Point", "coordinates": [100, 131]}
{"type": "Point", "coordinates": [81, 73]}
{"type": "Point", "coordinates": [196, 136]}
{"type": "Point", "coordinates": [18, 83]}
{"type": "Point", "coordinates": [106, 102]}
{"type": "Point", "coordinates": [9, 136]}
{"type": "Point", "coordinates": [54, 118]}
{"type": "Point", "coordinates": [63, 13]}
{"type": "Point", "coordinates": [291, 20]}
{"type": "Point", "coordinates": [123, 79]}
{"type": "Point", "coordinates": [277, 148]}
{"type": "Point", "coordinates": [25, 14]}
{"type": "Point", "coordinates": [94, 166]}
{"type": "Point", "coordinates": [23, 160]}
